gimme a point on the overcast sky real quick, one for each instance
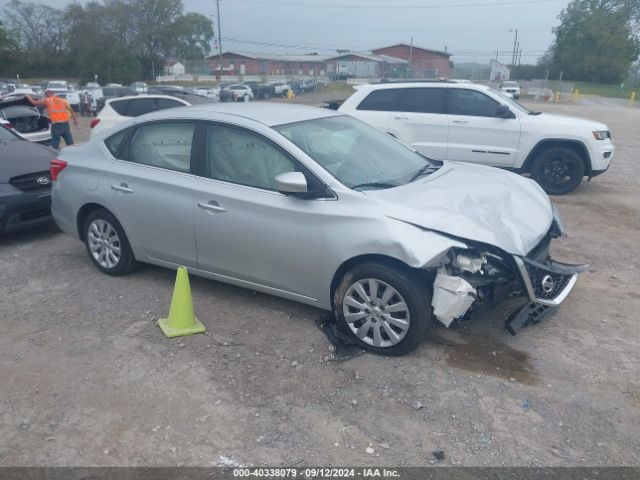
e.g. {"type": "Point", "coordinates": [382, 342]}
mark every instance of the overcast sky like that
{"type": "Point", "coordinates": [472, 30]}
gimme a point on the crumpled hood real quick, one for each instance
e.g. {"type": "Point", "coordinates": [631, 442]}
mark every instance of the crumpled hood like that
{"type": "Point", "coordinates": [473, 202]}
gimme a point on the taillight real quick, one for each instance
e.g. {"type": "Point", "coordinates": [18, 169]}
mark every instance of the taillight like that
{"type": "Point", "coordinates": [94, 122]}
{"type": "Point", "coordinates": [10, 125]}
{"type": "Point", "coordinates": [55, 167]}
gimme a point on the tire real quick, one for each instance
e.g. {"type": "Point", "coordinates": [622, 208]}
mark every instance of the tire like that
{"type": "Point", "coordinates": [409, 326]}
{"type": "Point", "coordinates": [102, 226]}
{"type": "Point", "coordinates": [558, 170]}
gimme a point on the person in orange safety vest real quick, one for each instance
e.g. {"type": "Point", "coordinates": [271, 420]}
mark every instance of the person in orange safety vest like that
{"type": "Point", "coordinates": [59, 113]}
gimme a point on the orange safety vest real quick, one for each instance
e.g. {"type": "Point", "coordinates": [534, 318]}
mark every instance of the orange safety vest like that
{"type": "Point", "coordinates": [58, 109]}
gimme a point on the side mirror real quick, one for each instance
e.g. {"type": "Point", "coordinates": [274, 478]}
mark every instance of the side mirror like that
{"type": "Point", "coordinates": [504, 112]}
{"type": "Point", "coordinates": [291, 183]}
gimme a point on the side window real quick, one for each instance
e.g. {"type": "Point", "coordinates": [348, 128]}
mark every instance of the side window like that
{"type": "Point", "coordinates": [381, 100]}
{"type": "Point", "coordinates": [166, 145]}
{"type": "Point", "coordinates": [120, 106]}
{"type": "Point", "coordinates": [163, 103]}
{"type": "Point", "coordinates": [422, 100]}
{"type": "Point", "coordinates": [114, 141]}
{"type": "Point", "coordinates": [472, 103]}
{"type": "Point", "coordinates": [243, 157]}
{"type": "Point", "coordinates": [139, 106]}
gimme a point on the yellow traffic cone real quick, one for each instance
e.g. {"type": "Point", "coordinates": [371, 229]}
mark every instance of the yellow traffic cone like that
{"type": "Point", "coordinates": [181, 319]}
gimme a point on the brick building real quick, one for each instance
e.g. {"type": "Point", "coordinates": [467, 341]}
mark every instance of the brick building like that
{"type": "Point", "coordinates": [423, 63]}
{"type": "Point", "coordinates": [242, 63]}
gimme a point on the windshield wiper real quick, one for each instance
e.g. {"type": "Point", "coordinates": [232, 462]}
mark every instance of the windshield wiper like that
{"type": "Point", "coordinates": [374, 185]}
{"type": "Point", "coordinates": [535, 113]}
{"type": "Point", "coordinates": [425, 170]}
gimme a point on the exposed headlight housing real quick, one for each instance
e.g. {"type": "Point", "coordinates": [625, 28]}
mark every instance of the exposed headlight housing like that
{"type": "Point", "coordinates": [601, 134]}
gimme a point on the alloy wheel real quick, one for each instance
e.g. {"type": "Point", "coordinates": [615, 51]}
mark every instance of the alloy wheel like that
{"type": "Point", "coordinates": [376, 312]}
{"type": "Point", "coordinates": [104, 243]}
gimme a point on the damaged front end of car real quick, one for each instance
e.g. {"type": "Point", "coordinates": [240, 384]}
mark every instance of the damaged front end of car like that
{"type": "Point", "coordinates": [483, 274]}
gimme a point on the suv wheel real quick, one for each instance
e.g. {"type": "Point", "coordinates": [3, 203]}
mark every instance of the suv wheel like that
{"type": "Point", "coordinates": [558, 170]}
{"type": "Point", "coordinates": [107, 243]}
{"type": "Point", "coordinates": [384, 309]}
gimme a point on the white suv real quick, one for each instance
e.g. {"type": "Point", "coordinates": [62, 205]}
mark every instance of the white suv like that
{"type": "Point", "coordinates": [474, 123]}
{"type": "Point", "coordinates": [118, 110]}
{"type": "Point", "coordinates": [510, 88]}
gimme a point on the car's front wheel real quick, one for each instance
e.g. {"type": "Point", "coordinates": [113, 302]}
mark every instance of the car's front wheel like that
{"type": "Point", "coordinates": [384, 309]}
{"type": "Point", "coordinates": [558, 170]}
{"type": "Point", "coordinates": [107, 243]}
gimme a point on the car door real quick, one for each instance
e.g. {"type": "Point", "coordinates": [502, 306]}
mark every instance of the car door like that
{"type": "Point", "coordinates": [377, 107]}
{"type": "Point", "coordinates": [245, 229]}
{"type": "Point", "coordinates": [475, 133]}
{"type": "Point", "coordinates": [151, 188]}
{"type": "Point", "coordinates": [421, 122]}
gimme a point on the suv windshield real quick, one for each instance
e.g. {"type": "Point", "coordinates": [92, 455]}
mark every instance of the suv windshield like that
{"type": "Point", "coordinates": [513, 103]}
{"type": "Point", "coordinates": [359, 156]}
{"type": "Point", "coordinates": [6, 135]}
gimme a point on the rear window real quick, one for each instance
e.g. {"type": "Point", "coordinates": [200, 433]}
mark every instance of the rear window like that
{"type": "Point", "coordinates": [164, 103]}
{"type": "Point", "coordinates": [140, 106]}
{"type": "Point", "coordinates": [384, 100]}
{"type": "Point", "coordinates": [120, 106]}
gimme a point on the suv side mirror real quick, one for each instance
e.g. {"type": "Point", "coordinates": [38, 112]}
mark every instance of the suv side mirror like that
{"type": "Point", "coordinates": [504, 112]}
{"type": "Point", "coordinates": [291, 183]}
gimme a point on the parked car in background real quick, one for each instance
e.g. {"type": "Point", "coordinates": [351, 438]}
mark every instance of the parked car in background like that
{"type": "Point", "coordinates": [162, 89]}
{"type": "Point", "coordinates": [29, 121]}
{"type": "Point", "coordinates": [25, 183]}
{"type": "Point", "coordinates": [139, 87]}
{"type": "Point", "coordinates": [511, 88]}
{"type": "Point", "coordinates": [317, 207]}
{"type": "Point", "coordinates": [261, 91]}
{"type": "Point", "coordinates": [113, 85]}
{"type": "Point", "coordinates": [92, 85]}
{"type": "Point", "coordinates": [72, 98]}
{"type": "Point", "coordinates": [118, 110]}
{"type": "Point", "coordinates": [474, 123]}
{"type": "Point", "coordinates": [57, 86]}
{"type": "Point", "coordinates": [106, 93]}
{"type": "Point", "coordinates": [281, 88]}
{"type": "Point", "coordinates": [240, 92]}
{"type": "Point", "coordinates": [210, 92]}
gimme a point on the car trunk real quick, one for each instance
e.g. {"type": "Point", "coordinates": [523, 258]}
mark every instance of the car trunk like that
{"type": "Point", "coordinates": [24, 117]}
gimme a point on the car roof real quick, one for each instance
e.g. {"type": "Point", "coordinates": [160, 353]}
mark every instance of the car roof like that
{"type": "Point", "coordinates": [270, 114]}
{"type": "Point", "coordinates": [423, 84]}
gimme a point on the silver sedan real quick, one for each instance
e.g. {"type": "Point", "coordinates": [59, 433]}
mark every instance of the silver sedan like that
{"type": "Point", "coordinates": [313, 206]}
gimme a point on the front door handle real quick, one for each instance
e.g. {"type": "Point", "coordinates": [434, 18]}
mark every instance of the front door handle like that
{"type": "Point", "coordinates": [212, 206]}
{"type": "Point", "coordinates": [123, 187]}
{"type": "Point", "coordinates": [401, 118]}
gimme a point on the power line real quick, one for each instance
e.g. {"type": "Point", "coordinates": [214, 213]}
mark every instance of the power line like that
{"type": "Point", "coordinates": [397, 7]}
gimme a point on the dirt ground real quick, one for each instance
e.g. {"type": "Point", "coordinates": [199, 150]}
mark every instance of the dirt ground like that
{"type": "Point", "coordinates": [87, 378]}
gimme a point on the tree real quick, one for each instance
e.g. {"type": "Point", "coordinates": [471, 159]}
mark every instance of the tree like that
{"type": "Point", "coordinates": [189, 37]}
{"type": "Point", "coordinates": [595, 41]}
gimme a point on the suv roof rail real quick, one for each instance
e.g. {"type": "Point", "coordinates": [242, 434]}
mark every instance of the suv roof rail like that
{"type": "Point", "coordinates": [432, 80]}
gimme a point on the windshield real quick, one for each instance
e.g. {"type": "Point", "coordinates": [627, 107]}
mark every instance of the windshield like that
{"type": "Point", "coordinates": [6, 135]}
{"type": "Point", "coordinates": [359, 156]}
{"type": "Point", "coordinates": [509, 84]}
{"type": "Point", "coordinates": [512, 103]}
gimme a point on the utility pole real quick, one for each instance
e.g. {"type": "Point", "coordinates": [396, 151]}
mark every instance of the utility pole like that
{"type": "Point", "coordinates": [515, 43]}
{"type": "Point", "coordinates": [219, 39]}
{"type": "Point", "coordinates": [410, 58]}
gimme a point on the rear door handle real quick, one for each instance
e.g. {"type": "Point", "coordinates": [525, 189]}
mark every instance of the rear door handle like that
{"type": "Point", "coordinates": [461, 121]}
{"type": "Point", "coordinates": [123, 187]}
{"type": "Point", "coordinates": [401, 118]}
{"type": "Point", "coordinates": [212, 206]}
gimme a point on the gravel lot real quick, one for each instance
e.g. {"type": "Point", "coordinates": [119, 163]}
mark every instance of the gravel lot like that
{"type": "Point", "coordinates": [89, 379]}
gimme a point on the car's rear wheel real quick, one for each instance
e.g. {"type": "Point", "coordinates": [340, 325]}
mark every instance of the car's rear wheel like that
{"type": "Point", "coordinates": [558, 170]}
{"type": "Point", "coordinates": [384, 309]}
{"type": "Point", "coordinates": [107, 243]}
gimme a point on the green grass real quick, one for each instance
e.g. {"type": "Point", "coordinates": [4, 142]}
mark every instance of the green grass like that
{"type": "Point", "coordinates": [614, 91]}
